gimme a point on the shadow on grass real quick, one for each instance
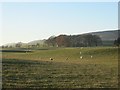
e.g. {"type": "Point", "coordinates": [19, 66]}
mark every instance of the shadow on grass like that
{"type": "Point", "coordinates": [47, 74]}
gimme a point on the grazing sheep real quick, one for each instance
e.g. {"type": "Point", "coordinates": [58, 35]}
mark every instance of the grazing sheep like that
{"type": "Point", "coordinates": [80, 52]}
{"type": "Point", "coordinates": [91, 56]}
{"type": "Point", "coordinates": [51, 58]}
{"type": "Point", "coordinates": [81, 57]}
{"type": "Point", "coordinates": [81, 47]}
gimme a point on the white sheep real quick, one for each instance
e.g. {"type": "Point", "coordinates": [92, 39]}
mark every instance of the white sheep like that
{"type": "Point", "coordinates": [80, 52]}
{"type": "Point", "coordinates": [81, 57]}
{"type": "Point", "coordinates": [81, 47]}
{"type": "Point", "coordinates": [91, 56]}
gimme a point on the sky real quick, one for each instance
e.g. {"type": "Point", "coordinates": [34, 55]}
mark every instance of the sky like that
{"type": "Point", "coordinates": [28, 21]}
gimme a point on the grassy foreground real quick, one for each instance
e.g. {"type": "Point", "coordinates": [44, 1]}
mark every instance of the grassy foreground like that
{"type": "Point", "coordinates": [66, 70]}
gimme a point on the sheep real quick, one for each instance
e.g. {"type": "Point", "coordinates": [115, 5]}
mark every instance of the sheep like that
{"type": "Point", "coordinates": [80, 52]}
{"type": "Point", "coordinates": [81, 47]}
{"type": "Point", "coordinates": [91, 56]}
{"type": "Point", "coordinates": [51, 58]}
{"type": "Point", "coordinates": [81, 57]}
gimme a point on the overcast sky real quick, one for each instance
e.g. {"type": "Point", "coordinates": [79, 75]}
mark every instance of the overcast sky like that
{"type": "Point", "coordinates": [28, 21]}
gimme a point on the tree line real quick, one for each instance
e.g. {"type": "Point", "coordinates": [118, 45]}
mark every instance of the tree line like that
{"type": "Point", "coordinates": [86, 40]}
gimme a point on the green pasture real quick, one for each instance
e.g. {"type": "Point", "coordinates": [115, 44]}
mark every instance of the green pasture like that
{"type": "Point", "coordinates": [67, 70]}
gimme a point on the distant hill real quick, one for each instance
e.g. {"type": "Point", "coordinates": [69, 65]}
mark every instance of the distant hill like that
{"type": "Point", "coordinates": [107, 37]}
{"type": "Point", "coordinates": [14, 44]}
{"type": "Point", "coordinates": [41, 42]}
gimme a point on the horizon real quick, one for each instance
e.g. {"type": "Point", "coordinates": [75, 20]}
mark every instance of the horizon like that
{"type": "Point", "coordinates": [56, 36]}
{"type": "Point", "coordinates": [36, 21]}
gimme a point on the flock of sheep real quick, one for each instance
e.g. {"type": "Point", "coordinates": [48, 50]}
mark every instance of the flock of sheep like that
{"type": "Point", "coordinates": [81, 57]}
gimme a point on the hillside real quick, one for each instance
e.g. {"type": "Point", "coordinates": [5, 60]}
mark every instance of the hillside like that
{"type": "Point", "coordinates": [107, 35]}
{"type": "Point", "coordinates": [36, 41]}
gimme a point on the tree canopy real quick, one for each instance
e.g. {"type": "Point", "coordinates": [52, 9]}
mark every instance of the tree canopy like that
{"type": "Point", "coordinates": [86, 40]}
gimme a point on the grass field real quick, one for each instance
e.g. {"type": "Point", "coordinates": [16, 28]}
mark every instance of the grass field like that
{"type": "Point", "coordinates": [34, 69]}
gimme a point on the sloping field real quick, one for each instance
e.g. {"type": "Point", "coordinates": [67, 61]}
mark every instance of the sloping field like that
{"type": "Point", "coordinates": [66, 70]}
